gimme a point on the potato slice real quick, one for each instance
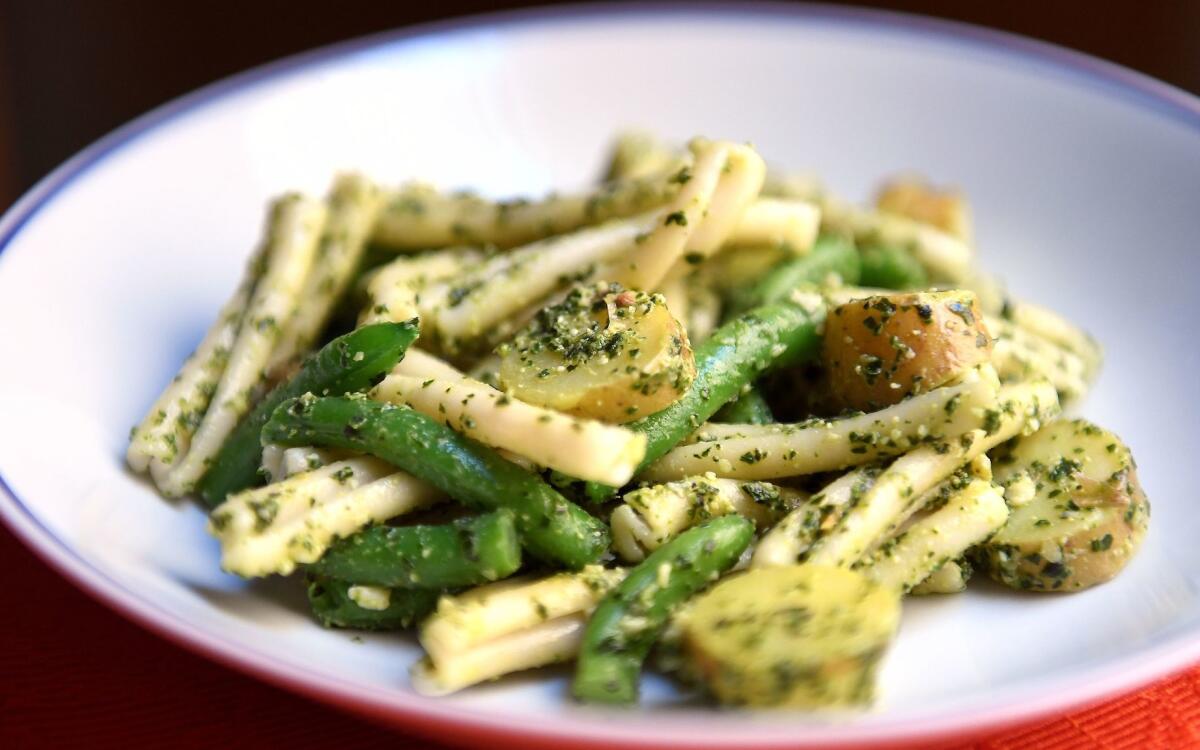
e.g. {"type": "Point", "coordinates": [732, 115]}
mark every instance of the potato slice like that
{"type": "Point", "coordinates": [911, 196]}
{"type": "Point", "coordinates": [879, 349]}
{"type": "Point", "coordinates": [1085, 519]}
{"type": "Point", "coordinates": [801, 636]}
{"type": "Point", "coordinates": [604, 352]}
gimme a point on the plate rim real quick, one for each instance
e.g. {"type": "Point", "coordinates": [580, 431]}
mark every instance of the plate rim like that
{"type": "Point", "coordinates": [424, 716]}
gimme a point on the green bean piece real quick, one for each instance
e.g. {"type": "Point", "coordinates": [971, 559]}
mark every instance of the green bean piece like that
{"type": "Point", "coordinates": [890, 267]}
{"type": "Point", "coordinates": [630, 619]}
{"type": "Point", "coordinates": [832, 254]}
{"type": "Point", "coordinates": [749, 407]}
{"type": "Point", "coordinates": [734, 356]}
{"type": "Point", "coordinates": [334, 608]}
{"type": "Point", "coordinates": [465, 552]}
{"type": "Point", "coordinates": [349, 363]}
{"type": "Point", "coordinates": [552, 528]}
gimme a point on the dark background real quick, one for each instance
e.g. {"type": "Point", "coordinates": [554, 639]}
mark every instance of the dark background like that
{"type": "Point", "coordinates": [72, 70]}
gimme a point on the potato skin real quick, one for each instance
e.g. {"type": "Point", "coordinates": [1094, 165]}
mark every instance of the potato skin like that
{"type": "Point", "coordinates": [1087, 516]}
{"type": "Point", "coordinates": [913, 197]}
{"type": "Point", "coordinates": [659, 384]}
{"type": "Point", "coordinates": [603, 353]}
{"type": "Point", "coordinates": [880, 349]}
{"type": "Point", "coordinates": [799, 636]}
{"type": "Point", "coordinates": [1021, 565]}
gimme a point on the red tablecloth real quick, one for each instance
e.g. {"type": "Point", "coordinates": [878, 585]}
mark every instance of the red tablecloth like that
{"type": "Point", "coordinates": [74, 674]}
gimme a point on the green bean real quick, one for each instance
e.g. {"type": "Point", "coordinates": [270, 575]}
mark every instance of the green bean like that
{"type": "Point", "coordinates": [832, 254]}
{"type": "Point", "coordinates": [334, 608]}
{"type": "Point", "coordinates": [630, 619]}
{"type": "Point", "coordinates": [349, 363]}
{"type": "Point", "coordinates": [749, 407]}
{"type": "Point", "coordinates": [552, 528]}
{"type": "Point", "coordinates": [890, 267]}
{"type": "Point", "coordinates": [735, 355]}
{"type": "Point", "coordinates": [465, 552]}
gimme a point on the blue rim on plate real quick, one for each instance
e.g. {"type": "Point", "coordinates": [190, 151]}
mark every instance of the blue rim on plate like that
{"type": "Point", "coordinates": [1110, 78]}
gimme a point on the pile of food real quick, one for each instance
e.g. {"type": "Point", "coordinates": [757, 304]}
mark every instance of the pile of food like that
{"type": "Point", "coordinates": [703, 415]}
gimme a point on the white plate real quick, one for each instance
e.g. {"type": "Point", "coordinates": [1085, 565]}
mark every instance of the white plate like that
{"type": "Point", "coordinates": [1086, 183]}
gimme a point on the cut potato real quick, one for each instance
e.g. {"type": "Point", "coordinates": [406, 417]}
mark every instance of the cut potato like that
{"type": "Point", "coordinates": [916, 199]}
{"type": "Point", "coordinates": [801, 636]}
{"type": "Point", "coordinates": [882, 348]}
{"type": "Point", "coordinates": [1086, 518]}
{"type": "Point", "coordinates": [603, 353]}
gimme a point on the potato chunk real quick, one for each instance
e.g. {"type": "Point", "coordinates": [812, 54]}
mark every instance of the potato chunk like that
{"type": "Point", "coordinates": [947, 210]}
{"type": "Point", "coordinates": [879, 349]}
{"type": "Point", "coordinates": [603, 353]}
{"type": "Point", "coordinates": [801, 636]}
{"type": "Point", "coordinates": [1085, 519]}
